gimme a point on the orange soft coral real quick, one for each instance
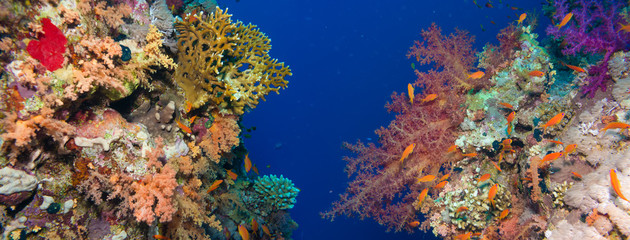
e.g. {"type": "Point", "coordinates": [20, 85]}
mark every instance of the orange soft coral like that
{"type": "Point", "coordinates": [223, 136]}
{"type": "Point", "coordinates": [153, 196]}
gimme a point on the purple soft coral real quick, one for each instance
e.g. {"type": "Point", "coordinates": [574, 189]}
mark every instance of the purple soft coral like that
{"type": "Point", "coordinates": [591, 31]}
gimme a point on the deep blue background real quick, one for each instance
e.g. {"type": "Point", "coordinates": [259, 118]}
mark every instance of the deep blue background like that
{"type": "Point", "coordinates": [347, 57]}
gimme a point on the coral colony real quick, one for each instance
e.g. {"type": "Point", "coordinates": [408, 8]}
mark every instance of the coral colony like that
{"type": "Point", "coordinates": [122, 121]}
{"type": "Point", "coordinates": [519, 141]}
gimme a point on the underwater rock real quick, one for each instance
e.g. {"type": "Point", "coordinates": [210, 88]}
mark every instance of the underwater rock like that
{"type": "Point", "coordinates": [618, 69]}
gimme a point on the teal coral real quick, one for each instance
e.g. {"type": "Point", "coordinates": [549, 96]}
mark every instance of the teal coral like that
{"type": "Point", "coordinates": [275, 193]}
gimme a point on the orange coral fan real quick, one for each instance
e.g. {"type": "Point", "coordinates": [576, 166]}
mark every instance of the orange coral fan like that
{"type": "Point", "coordinates": [229, 61]}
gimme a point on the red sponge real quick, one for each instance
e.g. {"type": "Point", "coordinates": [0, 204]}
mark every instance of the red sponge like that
{"type": "Point", "coordinates": [50, 47]}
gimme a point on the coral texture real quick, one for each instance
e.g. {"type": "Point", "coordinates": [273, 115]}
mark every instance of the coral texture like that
{"type": "Point", "coordinates": [50, 46]}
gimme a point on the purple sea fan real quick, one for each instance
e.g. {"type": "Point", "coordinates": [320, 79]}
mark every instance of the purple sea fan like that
{"type": "Point", "coordinates": [593, 29]}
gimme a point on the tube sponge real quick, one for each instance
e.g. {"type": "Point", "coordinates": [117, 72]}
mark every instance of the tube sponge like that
{"type": "Point", "coordinates": [274, 193]}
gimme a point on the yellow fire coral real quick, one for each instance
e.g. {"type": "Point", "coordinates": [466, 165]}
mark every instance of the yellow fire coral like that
{"type": "Point", "coordinates": [229, 61]}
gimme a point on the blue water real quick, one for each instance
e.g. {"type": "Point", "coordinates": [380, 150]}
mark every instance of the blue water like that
{"type": "Point", "coordinates": [347, 57]}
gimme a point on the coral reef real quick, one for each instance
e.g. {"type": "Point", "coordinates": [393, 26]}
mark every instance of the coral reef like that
{"type": "Point", "coordinates": [98, 143]}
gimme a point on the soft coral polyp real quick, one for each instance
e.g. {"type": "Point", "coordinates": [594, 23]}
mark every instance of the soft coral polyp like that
{"type": "Point", "coordinates": [50, 46]}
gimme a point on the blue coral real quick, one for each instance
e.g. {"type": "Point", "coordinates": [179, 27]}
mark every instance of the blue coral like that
{"type": "Point", "coordinates": [275, 193]}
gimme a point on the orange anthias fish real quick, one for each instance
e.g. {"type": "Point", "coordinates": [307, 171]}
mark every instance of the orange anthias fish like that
{"type": "Point", "coordinates": [255, 169]}
{"type": "Point", "coordinates": [254, 226]}
{"type": "Point", "coordinates": [410, 92]}
{"type": "Point", "coordinates": [408, 150]}
{"type": "Point", "coordinates": [192, 119]}
{"type": "Point", "coordinates": [577, 175]}
{"type": "Point", "coordinates": [536, 73]}
{"type": "Point", "coordinates": [445, 177]}
{"type": "Point", "coordinates": [553, 121]}
{"type": "Point", "coordinates": [625, 28]}
{"type": "Point", "coordinates": [426, 178]}
{"type": "Point", "coordinates": [551, 157]}
{"type": "Point", "coordinates": [492, 192]}
{"type": "Point", "coordinates": [615, 125]}
{"type": "Point", "coordinates": [556, 142]}
{"type": "Point", "coordinates": [414, 224]}
{"type": "Point", "coordinates": [429, 97]}
{"type": "Point", "coordinates": [214, 185]}
{"type": "Point", "coordinates": [470, 155]}
{"type": "Point", "coordinates": [462, 208]}
{"type": "Point", "coordinates": [464, 236]}
{"type": "Point", "coordinates": [496, 166]}
{"type": "Point", "coordinates": [188, 107]}
{"type": "Point", "coordinates": [570, 149]}
{"type": "Point", "coordinates": [504, 213]}
{"type": "Point", "coordinates": [510, 118]}
{"type": "Point", "coordinates": [565, 20]}
{"type": "Point", "coordinates": [233, 175]}
{"type": "Point", "coordinates": [265, 230]}
{"type": "Point", "coordinates": [242, 230]}
{"type": "Point", "coordinates": [452, 148]}
{"type": "Point", "coordinates": [484, 177]}
{"type": "Point", "coordinates": [521, 18]}
{"type": "Point", "coordinates": [422, 195]}
{"type": "Point", "coordinates": [441, 184]}
{"type": "Point", "coordinates": [183, 127]}
{"type": "Point", "coordinates": [248, 163]}
{"type": "Point", "coordinates": [158, 236]}
{"type": "Point", "coordinates": [574, 68]}
{"type": "Point", "coordinates": [476, 75]}
{"type": "Point", "coordinates": [615, 184]}
{"type": "Point", "coordinates": [506, 105]}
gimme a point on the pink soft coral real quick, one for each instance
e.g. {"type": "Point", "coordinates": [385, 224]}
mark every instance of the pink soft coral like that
{"type": "Point", "coordinates": [153, 196]}
{"type": "Point", "coordinates": [384, 188]}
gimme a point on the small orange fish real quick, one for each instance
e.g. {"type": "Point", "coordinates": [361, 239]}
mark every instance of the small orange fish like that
{"type": "Point", "coordinates": [445, 177]}
{"type": "Point", "coordinates": [521, 18]}
{"type": "Point", "coordinates": [492, 22]}
{"type": "Point", "coordinates": [183, 127]}
{"type": "Point", "coordinates": [188, 107]}
{"type": "Point", "coordinates": [441, 184]}
{"type": "Point", "coordinates": [158, 236]}
{"type": "Point", "coordinates": [574, 68]}
{"type": "Point", "coordinates": [266, 230]}
{"type": "Point", "coordinates": [489, 5]}
{"type": "Point", "coordinates": [565, 20]}
{"type": "Point", "coordinates": [570, 149]}
{"type": "Point", "coordinates": [470, 155]}
{"type": "Point", "coordinates": [414, 224]}
{"type": "Point", "coordinates": [536, 73]}
{"type": "Point", "coordinates": [476, 75]}
{"type": "Point", "coordinates": [242, 230]}
{"type": "Point", "coordinates": [410, 91]}
{"type": "Point", "coordinates": [254, 226]}
{"type": "Point", "coordinates": [526, 179]}
{"type": "Point", "coordinates": [226, 232]}
{"type": "Point", "coordinates": [625, 28]}
{"type": "Point", "coordinates": [422, 195]}
{"type": "Point", "coordinates": [408, 150]}
{"type": "Point", "coordinates": [214, 185]}
{"type": "Point", "coordinates": [248, 163]}
{"type": "Point", "coordinates": [616, 125]}
{"type": "Point", "coordinates": [577, 175]}
{"type": "Point", "coordinates": [462, 208]}
{"type": "Point", "coordinates": [506, 105]}
{"type": "Point", "coordinates": [551, 156]}
{"type": "Point", "coordinates": [452, 148]}
{"type": "Point", "coordinates": [476, 234]}
{"type": "Point", "coordinates": [556, 142]}
{"type": "Point", "coordinates": [510, 117]}
{"type": "Point", "coordinates": [192, 119]}
{"type": "Point", "coordinates": [233, 175]}
{"type": "Point", "coordinates": [492, 192]}
{"type": "Point", "coordinates": [429, 97]}
{"type": "Point", "coordinates": [553, 121]}
{"type": "Point", "coordinates": [504, 213]}
{"type": "Point", "coordinates": [514, 8]}
{"type": "Point", "coordinates": [464, 236]}
{"type": "Point", "coordinates": [484, 177]}
{"type": "Point", "coordinates": [426, 178]}
{"type": "Point", "coordinates": [615, 184]}
{"type": "Point", "coordinates": [496, 166]}
{"type": "Point", "coordinates": [255, 169]}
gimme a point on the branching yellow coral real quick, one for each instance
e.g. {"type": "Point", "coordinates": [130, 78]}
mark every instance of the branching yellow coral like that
{"type": "Point", "coordinates": [229, 61]}
{"type": "Point", "coordinates": [152, 49]}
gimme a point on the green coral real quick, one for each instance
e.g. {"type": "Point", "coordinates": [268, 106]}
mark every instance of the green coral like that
{"type": "Point", "coordinates": [225, 64]}
{"type": "Point", "coordinates": [274, 193]}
